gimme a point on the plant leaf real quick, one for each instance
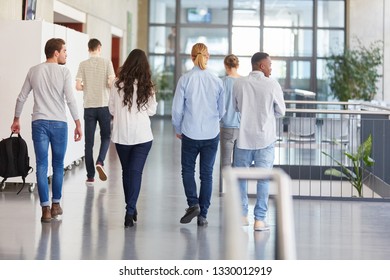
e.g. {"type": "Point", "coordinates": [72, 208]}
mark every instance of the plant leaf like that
{"type": "Point", "coordinates": [368, 161]}
{"type": "Point", "coordinates": [351, 157]}
{"type": "Point", "coordinates": [335, 172]}
{"type": "Point", "coordinates": [364, 149]}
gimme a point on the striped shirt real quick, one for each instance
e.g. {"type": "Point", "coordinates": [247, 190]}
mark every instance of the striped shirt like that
{"type": "Point", "coordinates": [94, 73]}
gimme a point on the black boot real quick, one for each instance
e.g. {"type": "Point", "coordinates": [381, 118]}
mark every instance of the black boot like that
{"type": "Point", "coordinates": [135, 215]}
{"type": "Point", "coordinates": [129, 220]}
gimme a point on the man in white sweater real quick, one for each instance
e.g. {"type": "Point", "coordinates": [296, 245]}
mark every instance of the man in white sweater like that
{"type": "Point", "coordinates": [259, 99]}
{"type": "Point", "coordinates": [51, 84]}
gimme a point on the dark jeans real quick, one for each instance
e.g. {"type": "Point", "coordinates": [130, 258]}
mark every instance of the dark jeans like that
{"type": "Point", "coordinates": [190, 149]}
{"type": "Point", "coordinates": [92, 116]}
{"type": "Point", "coordinates": [132, 158]}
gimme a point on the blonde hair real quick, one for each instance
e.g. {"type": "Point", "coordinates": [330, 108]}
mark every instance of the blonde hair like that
{"type": "Point", "coordinates": [200, 55]}
{"type": "Point", "coordinates": [231, 61]}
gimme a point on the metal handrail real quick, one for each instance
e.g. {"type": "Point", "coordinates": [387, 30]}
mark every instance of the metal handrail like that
{"type": "Point", "coordinates": [353, 103]}
{"type": "Point", "coordinates": [285, 229]}
{"type": "Point", "coordinates": [341, 112]}
{"type": "Point", "coordinates": [379, 110]}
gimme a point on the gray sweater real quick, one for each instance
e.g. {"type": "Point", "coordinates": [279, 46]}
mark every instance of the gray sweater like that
{"type": "Point", "coordinates": [51, 85]}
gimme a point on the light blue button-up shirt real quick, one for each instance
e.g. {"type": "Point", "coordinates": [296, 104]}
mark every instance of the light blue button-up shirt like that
{"type": "Point", "coordinates": [198, 104]}
{"type": "Point", "coordinates": [231, 119]}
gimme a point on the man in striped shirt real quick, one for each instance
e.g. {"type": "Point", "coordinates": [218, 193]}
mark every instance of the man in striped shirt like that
{"type": "Point", "coordinates": [95, 77]}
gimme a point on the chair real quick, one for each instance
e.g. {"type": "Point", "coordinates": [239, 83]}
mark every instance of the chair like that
{"type": "Point", "coordinates": [302, 129]}
{"type": "Point", "coordinates": [335, 130]}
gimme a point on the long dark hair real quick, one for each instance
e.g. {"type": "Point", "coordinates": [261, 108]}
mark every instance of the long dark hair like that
{"type": "Point", "coordinates": [136, 67]}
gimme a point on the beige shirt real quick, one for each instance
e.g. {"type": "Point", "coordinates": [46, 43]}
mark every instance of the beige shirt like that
{"type": "Point", "coordinates": [96, 74]}
{"type": "Point", "coordinates": [259, 100]}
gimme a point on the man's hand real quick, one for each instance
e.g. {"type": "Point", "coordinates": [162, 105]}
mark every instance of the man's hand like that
{"type": "Point", "coordinates": [78, 133]}
{"type": "Point", "coordinates": [15, 127]}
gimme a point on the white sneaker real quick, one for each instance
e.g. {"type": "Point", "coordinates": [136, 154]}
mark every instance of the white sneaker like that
{"type": "Point", "coordinates": [260, 226]}
{"type": "Point", "coordinates": [90, 182]}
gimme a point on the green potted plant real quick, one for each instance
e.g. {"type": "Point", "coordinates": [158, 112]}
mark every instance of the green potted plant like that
{"type": "Point", "coordinates": [355, 175]}
{"type": "Point", "coordinates": [164, 85]}
{"type": "Point", "coordinates": [354, 73]}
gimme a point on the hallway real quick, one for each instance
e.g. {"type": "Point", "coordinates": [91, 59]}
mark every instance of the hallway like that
{"type": "Point", "coordinates": [91, 227]}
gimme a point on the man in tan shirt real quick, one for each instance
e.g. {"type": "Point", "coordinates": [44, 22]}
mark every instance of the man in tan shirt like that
{"type": "Point", "coordinates": [95, 77]}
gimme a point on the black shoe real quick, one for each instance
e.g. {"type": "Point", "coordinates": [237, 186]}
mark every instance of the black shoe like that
{"type": "Point", "coordinates": [135, 215]}
{"type": "Point", "coordinates": [202, 221]}
{"type": "Point", "coordinates": [191, 213]}
{"type": "Point", "coordinates": [129, 220]}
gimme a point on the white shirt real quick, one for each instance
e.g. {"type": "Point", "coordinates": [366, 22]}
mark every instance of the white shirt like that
{"type": "Point", "coordinates": [259, 100]}
{"type": "Point", "coordinates": [130, 127]}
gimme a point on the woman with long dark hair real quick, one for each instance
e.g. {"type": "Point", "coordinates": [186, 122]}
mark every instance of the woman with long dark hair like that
{"type": "Point", "coordinates": [132, 102]}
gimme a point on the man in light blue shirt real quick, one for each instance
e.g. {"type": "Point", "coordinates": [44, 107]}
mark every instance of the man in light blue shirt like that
{"type": "Point", "coordinates": [198, 106]}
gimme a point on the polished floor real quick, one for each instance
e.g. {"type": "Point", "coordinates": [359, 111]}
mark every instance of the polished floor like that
{"type": "Point", "coordinates": [91, 227]}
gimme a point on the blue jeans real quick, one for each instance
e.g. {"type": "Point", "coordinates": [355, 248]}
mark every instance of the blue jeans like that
{"type": "Point", "coordinates": [190, 149]}
{"type": "Point", "coordinates": [132, 158]}
{"type": "Point", "coordinates": [262, 158]}
{"type": "Point", "coordinates": [55, 133]}
{"type": "Point", "coordinates": [92, 116]}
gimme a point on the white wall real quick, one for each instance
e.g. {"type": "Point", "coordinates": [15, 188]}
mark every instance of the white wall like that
{"type": "Point", "coordinates": [100, 14]}
{"type": "Point", "coordinates": [10, 9]}
{"type": "Point", "coordinates": [369, 21]}
{"type": "Point", "coordinates": [106, 14]}
{"type": "Point", "coordinates": [96, 28]}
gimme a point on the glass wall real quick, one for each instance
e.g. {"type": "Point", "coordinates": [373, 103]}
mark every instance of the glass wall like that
{"type": "Point", "coordinates": [246, 30]}
{"type": "Point", "coordinates": [298, 35]}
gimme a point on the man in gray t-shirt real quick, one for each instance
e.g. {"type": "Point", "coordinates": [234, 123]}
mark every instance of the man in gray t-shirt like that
{"type": "Point", "coordinates": [52, 86]}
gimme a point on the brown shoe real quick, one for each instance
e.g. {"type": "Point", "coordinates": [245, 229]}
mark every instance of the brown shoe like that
{"type": "Point", "coordinates": [46, 214]}
{"type": "Point", "coordinates": [101, 171]}
{"type": "Point", "coordinates": [260, 226]}
{"type": "Point", "coordinates": [56, 210]}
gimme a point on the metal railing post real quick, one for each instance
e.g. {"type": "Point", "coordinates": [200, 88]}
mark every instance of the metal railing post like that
{"type": "Point", "coordinates": [285, 230]}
